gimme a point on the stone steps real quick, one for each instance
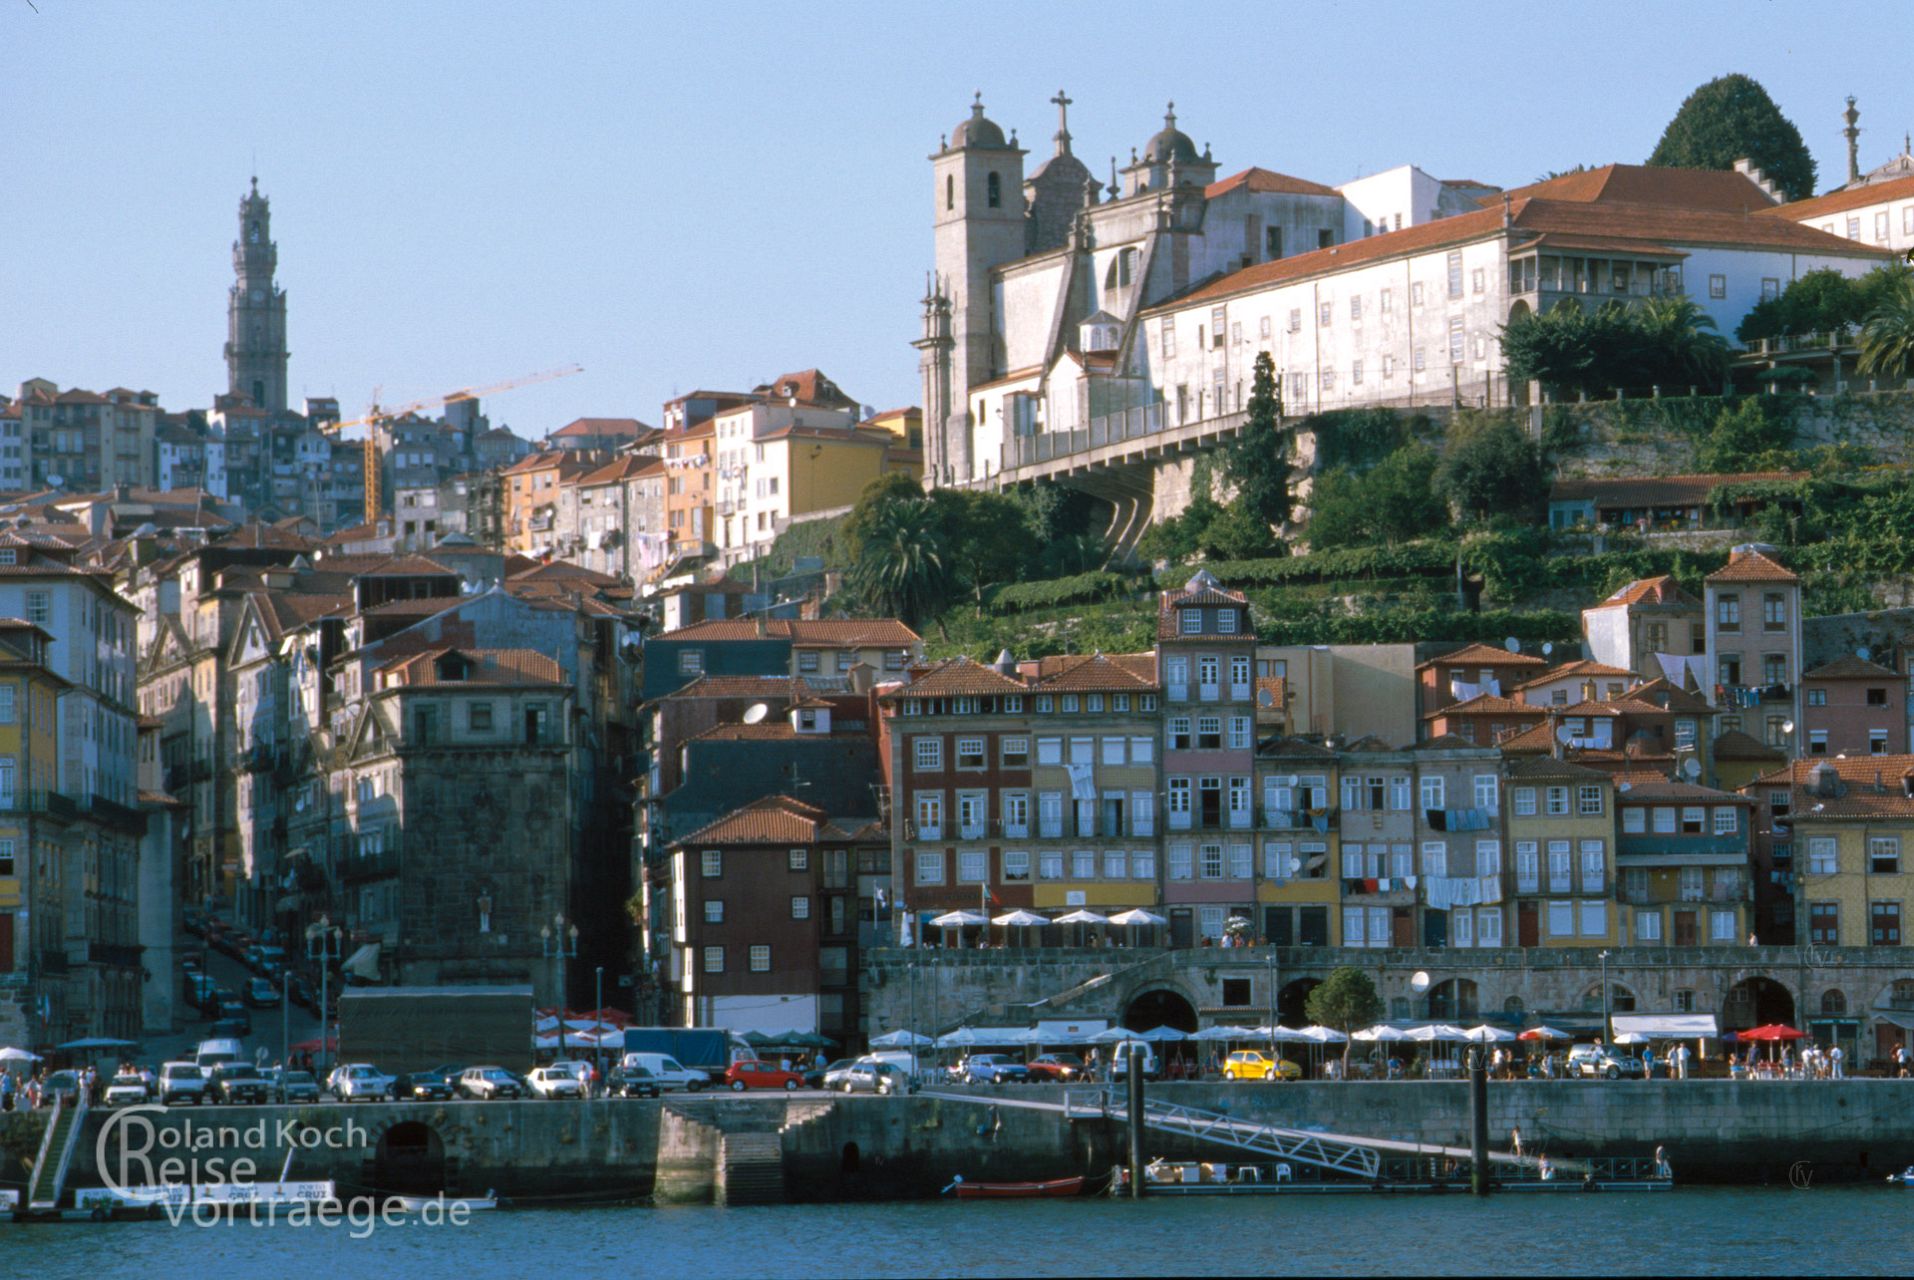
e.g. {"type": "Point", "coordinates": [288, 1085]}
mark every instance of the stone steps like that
{"type": "Point", "coordinates": [750, 1169]}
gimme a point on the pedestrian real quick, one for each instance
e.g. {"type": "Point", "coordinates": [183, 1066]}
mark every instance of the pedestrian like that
{"type": "Point", "coordinates": [1515, 1140]}
{"type": "Point", "coordinates": [6, 1090]}
{"type": "Point", "coordinates": [1648, 1063]}
{"type": "Point", "coordinates": [1834, 1061]}
{"type": "Point", "coordinates": [1900, 1061]}
{"type": "Point", "coordinates": [1662, 1168]}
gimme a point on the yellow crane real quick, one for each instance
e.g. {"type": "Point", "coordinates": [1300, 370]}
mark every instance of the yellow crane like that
{"type": "Point", "coordinates": [378, 414]}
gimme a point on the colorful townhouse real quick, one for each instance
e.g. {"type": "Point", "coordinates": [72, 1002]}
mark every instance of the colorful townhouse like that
{"type": "Point", "coordinates": [1854, 707]}
{"type": "Point", "coordinates": [1561, 827]}
{"type": "Point", "coordinates": [1683, 855]}
{"type": "Point", "coordinates": [1298, 892]}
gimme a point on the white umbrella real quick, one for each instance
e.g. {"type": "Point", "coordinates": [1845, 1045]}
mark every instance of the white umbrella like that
{"type": "Point", "coordinates": [1113, 1035]}
{"type": "Point", "coordinates": [1228, 1033]}
{"type": "Point", "coordinates": [1436, 1031]}
{"type": "Point", "coordinates": [899, 1040]}
{"type": "Point", "coordinates": [1630, 1037]}
{"type": "Point", "coordinates": [1021, 919]}
{"type": "Point", "coordinates": [1162, 1035]}
{"type": "Point", "coordinates": [1544, 1033]}
{"type": "Point", "coordinates": [10, 1054]}
{"type": "Point", "coordinates": [1283, 1035]}
{"type": "Point", "coordinates": [1382, 1032]}
{"type": "Point", "coordinates": [1137, 915]}
{"type": "Point", "coordinates": [959, 919]}
{"type": "Point", "coordinates": [961, 1038]}
{"type": "Point", "coordinates": [1324, 1035]}
{"type": "Point", "coordinates": [1080, 916]}
{"type": "Point", "coordinates": [1486, 1034]}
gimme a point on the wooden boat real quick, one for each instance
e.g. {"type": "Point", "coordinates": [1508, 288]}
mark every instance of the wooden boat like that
{"type": "Point", "coordinates": [418, 1204]}
{"type": "Point", "coordinates": [1055, 1188]}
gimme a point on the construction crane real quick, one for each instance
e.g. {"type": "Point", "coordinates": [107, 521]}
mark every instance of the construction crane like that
{"type": "Point", "coordinates": [378, 414]}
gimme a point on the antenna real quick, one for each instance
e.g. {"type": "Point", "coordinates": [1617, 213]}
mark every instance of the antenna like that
{"type": "Point", "coordinates": [1565, 733]}
{"type": "Point", "coordinates": [1787, 726]}
{"type": "Point", "coordinates": [756, 712]}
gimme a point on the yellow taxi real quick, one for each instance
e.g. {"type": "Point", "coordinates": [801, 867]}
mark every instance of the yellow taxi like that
{"type": "Point", "coordinates": [1253, 1064]}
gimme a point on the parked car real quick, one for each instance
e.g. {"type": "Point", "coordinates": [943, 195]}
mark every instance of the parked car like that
{"type": "Point", "coordinates": [553, 1083]}
{"type": "Point", "coordinates": [753, 1074]}
{"type": "Point", "coordinates": [261, 994]}
{"type": "Point", "coordinates": [233, 942]}
{"type": "Point", "coordinates": [264, 958]}
{"type": "Point", "coordinates": [489, 1084]}
{"type": "Point", "coordinates": [993, 1068]}
{"type": "Point", "coordinates": [1057, 1067]}
{"type": "Point", "coordinates": [875, 1077]}
{"type": "Point", "coordinates": [303, 993]}
{"type": "Point", "coordinates": [200, 991]}
{"type": "Point", "coordinates": [579, 1071]}
{"type": "Point", "coordinates": [1593, 1061]}
{"type": "Point", "coordinates": [633, 1082]}
{"type": "Point", "coordinates": [126, 1089]}
{"type": "Point", "coordinates": [431, 1085]}
{"type": "Point", "coordinates": [181, 1082]}
{"type": "Point", "coordinates": [233, 1023]}
{"type": "Point", "coordinates": [297, 1086]}
{"type": "Point", "coordinates": [194, 921]}
{"type": "Point", "coordinates": [829, 1076]}
{"type": "Point", "coordinates": [1254, 1064]}
{"type": "Point", "coordinates": [669, 1072]}
{"type": "Point", "coordinates": [216, 1049]}
{"type": "Point", "coordinates": [238, 1082]}
{"type": "Point", "coordinates": [359, 1082]}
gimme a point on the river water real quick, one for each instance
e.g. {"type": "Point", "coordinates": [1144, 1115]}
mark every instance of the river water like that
{"type": "Point", "coordinates": [1685, 1232]}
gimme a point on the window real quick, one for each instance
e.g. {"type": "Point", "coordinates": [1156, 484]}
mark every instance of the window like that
{"type": "Point", "coordinates": [1877, 742]}
{"type": "Point", "coordinates": [1594, 865]}
{"type": "Point", "coordinates": [1821, 855]}
{"type": "Point", "coordinates": [1880, 225]}
{"type": "Point", "coordinates": [1355, 374]}
{"type": "Point", "coordinates": [711, 864]}
{"type": "Point", "coordinates": [1435, 858]}
{"type": "Point", "coordinates": [1455, 340]}
{"type": "Point", "coordinates": [1049, 750]}
{"type": "Point", "coordinates": [1388, 366]}
{"type": "Point", "coordinates": [1593, 921]}
{"type": "Point", "coordinates": [1647, 927]}
{"type": "Point", "coordinates": [1488, 927]}
{"type": "Point", "coordinates": [1884, 924]}
{"type": "Point", "coordinates": [1771, 285]}
{"type": "Point", "coordinates": [1462, 929]}
{"type": "Point", "coordinates": [1817, 742]}
{"type": "Point", "coordinates": [1211, 861]}
{"type": "Point", "coordinates": [1588, 801]}
{"type": "Point", "coordinates": [1016, 811]}
{"type": "Point", "coordinates": [1717, 286]}
{"type": "Point", "coordinates": [1559, 871]}
{"type": "Point", "coordinates": [1476, 281]}
{"type": "Point", "coordinates": [1239, 733]}
{"type": "Point", "coordinates": [1415, 295]}
{"type": "Point", "coordinates": [690, 662]}
{"type": "Point", "coordinates": [1142, 750]}
{"type": "Point", "coordinates": [1209, 733]}
{"type": "Point", "coordinates": [1561, 919]}
{"type": "Point", "coordinates": [7, 712]}
{"type": "Point", "coordinates": [760, 952]}
{"type": "Point", "coordinates": [1112, 751]}
{"type": "Point", "coordinates": [1774, 668]}
{"type": "Point", "coordinates": [1388, 301]}
{"type": "Point", "coordinates": [1525, 802]}
{"type": "Point", "coordinates": [1884, 855]}
{"type": "Point", "coordinates": [1050, 864]}
{"type": "Point", "coordinates": [1192, 621]}
{"type": "Point", "coordinates": [1455, 275]}
{"type": "Point", "coordinates": [930, 754]}
{"type": "Point", "coordinates": [1325, 314]}
{"type": "Point", "coordinates": [1725, 824]}
{"type": "Point", "coordinates": [714, 959]}
{"type": "Point", "coordinates": [39, 606]}
{"type": "Point", "coordinates": [1431, 793]}
{"type": "Point", "coordinates": [973, 866]}
{"type": "Point", "coordinates": [1016, 753]}
{"type": "Point", "coordinates": [1721, 926]}
{"type": "Point", "coordinates": [1728, 612]}
{"type": "Point", "coordinates": [1016, 864]}
{"type": "Point", "coordinates": [7, 858]}
{"type": "Point", "coordinates": [970, 753]}
{"type": "Point", "coordinates": [1179, 861]}
{"type": "Point", "coordinates": [1528, 870]}
{"type": "Point", "coordinates": [1558, 801]}
{"type": "Point", "coordinates": [714, 910]}
{"type": "Point", "coordinates": [1295, 319]}
{"type": "Point", "coordinates": [993, 190]}
{"type": "Point", "coordinates": [1355, 308]}
{"type": "Point", "coordinates": [1485, 791]}
{"type": "Point", "coordinates": [930, 816]}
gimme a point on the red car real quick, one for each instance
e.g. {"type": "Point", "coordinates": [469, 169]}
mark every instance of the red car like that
{"type": "Point", "coordinates": [761, 1075]}
{"type": "Point", "coordinates": [1056, 1067]}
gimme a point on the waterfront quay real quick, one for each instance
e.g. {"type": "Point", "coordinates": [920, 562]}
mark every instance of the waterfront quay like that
{"type": "Point", "coordinates": [818, 1147]}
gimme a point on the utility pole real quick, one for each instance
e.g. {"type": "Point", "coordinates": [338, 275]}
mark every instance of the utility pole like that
{"type": "Point", "coordinates": [553, 944]}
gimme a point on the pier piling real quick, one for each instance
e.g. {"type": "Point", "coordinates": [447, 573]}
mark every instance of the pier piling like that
{"type": "Point", "coordinates": [1134, 1080]}
{"type": "Point", "coordinates": [1478, 1121]}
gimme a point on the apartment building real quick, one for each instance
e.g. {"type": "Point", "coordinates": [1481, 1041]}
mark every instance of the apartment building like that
{"type": "Point", "coordinates": [1753, 610]}
{"type": "Point", "coordinates": [1562, 831]}
{"type": "Point", "coordinates": [1683, 857]}
{"type": "Point", "coordinates": [1854, 707]}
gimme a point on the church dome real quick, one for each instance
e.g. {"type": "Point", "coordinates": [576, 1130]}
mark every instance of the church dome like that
{"type": "Point", "coordinates": [1170, 142]}
{"type": "Point", "coordinates": [978, 130]}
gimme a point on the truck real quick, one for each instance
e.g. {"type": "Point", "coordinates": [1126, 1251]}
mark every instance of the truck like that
{"type": "Point", "coordinates": [405, 1029]}
{"type": "Point", "coordinates": [707, 1049]}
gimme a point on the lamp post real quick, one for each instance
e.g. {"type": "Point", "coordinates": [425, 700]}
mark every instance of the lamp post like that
{"type": "Point", "coordinates": [598, 1028]}
{"type": "Point", "coordinates": [1608, 1037]}
{"type": "Point", "coordinates": [322, 944]}
{"type": "Point", "coordinates": [1271, 957]}
{"type": "Point", "coordinates": [285, 1025]}
{"type": "Point", "coordinates": [553, 942]}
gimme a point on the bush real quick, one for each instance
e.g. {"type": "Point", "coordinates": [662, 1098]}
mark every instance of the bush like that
{"type": "Point", "coordinates": [1394, 502]}
{"type": "Point", "coordinates": [1082, 588]}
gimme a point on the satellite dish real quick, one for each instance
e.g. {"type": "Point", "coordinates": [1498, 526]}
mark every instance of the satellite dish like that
{"type": "Point", "coordinates": [1548, 647]}
{"type": "Point", "coordinates": [1864, 653]}
{"type": "Point", "coordinates": [1512, 645]}
{"type": "Point", "coordinates": [1564, 733]}
{"type": "Point", "coordinates": [1419, 982]}
{"type": "Point", "coordinates": [55, 481]}
{"type": "Point", "coordinates": [1265, 698]}
{"type": "Point", "coordinates": [1691, 768]}
{"type": "Point", "coordinates": [1295, 864]}
{"type": "Point", "coordinates": [1625, 787]}
{"type": "Point", "coordinates": [756, 712]}
{"type": "Point", "coordinates": [1787, 726]}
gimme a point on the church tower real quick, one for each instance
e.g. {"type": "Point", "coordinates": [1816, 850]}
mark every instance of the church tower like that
{"type": "Point", "coordinates": [256, 311]}
{"type": "Point", "coordinates": [978, 188]}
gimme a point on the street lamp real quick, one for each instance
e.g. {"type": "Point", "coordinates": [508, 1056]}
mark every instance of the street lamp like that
{"type": "Point", "coordinates": [553, 943]}
{"type": "Point", "coordinates": [598, 1028]}
{"type": "Point", "coordinates": [1608, 1030]}
{"type": "Point", "coordinates": [322, 944]}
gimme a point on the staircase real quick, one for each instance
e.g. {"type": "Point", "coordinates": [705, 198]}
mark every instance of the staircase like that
{"type": "Point", "coordinates": [750, 1169]}
{"type": "Point", "coordinates": [56, 1155]}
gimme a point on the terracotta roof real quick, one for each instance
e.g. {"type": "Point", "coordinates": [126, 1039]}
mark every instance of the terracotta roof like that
{"type": "Point", "coordinates": [1584, 667]}
{"type": "Point", "coordinates": [1549, 767]}
{"type": "Point", "coordinates": [771, 820]}
{"type": "Point", "coordinates": [860, 633]}
{"type": "Point", "coordinates": [1488, 704]}
{"type": "Point", "coordinates": [1720, 190]}
{"type": "Point", "coordinates": [1449, 742]}
{"type": "Point", "coordinates": [628, 467]}
{"type": "Point", "coordinates": [1661, 589]}
{"type": "Point", "coordinates": [1200, 590]}
{"type": "Point", "coordinates": [1483, 655]}
{"type": "Point", "coordinates": [624, 428]}
{"type": "Point", "coordinates": [806, 386]}
{"type": "Point", "coordinates": [1536, 740]}
{"type": "Point", "coordinates": [1871, 786]}
{"type": "Point", "coordinates": [1659, 225]}
{"type": "Point", "coordinates": [1733, 744]}
{"type": "Point", "coordinates": [1664, 696]}
{"type": "Point", "coordinates": [407, 566]}
{"type": "Point", "coordinates": [1266, 181]}
{"type": "Point", "coordinates": [1842, 201]}
{"type": "Point", "coordinates": [759, 687]}
{"type": "Point", "coordinates": [1653, 491]}
{"type": "Point", "coordinates": [1751, 566]}
{"type": "Point", "coordinates": [1850, 668]}
{"type": "Point", "coordinates": [1293, 749]}
{"type": "Point", "coordinates": [763, 731]}
{"type": "Point", "coordinates": [421, 606]}
{"type": "Point", "coordinates": [957, 677]}
{"type": "Point", "coordinates": [1076, 673]}
{"type": "Point", "coordinates": [565, 571]}
{"type": "Point", "coordinates": [487, 666]}
{"type": "Point", "coordinates": [1653, 786]}
{"type": "Point", "coordinates": [1369, 743]}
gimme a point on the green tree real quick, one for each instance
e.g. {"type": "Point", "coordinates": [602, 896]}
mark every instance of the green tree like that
{"type": "Point", "coordinates": [1492, 467]}
{"type": "Point", "coordinates": [1730, 118]}
{"type": "Point", "coordinates": [1394, 502]}
{"type": "Point", "coordinates": [1887, 338]}
{"type": "Point", "coordinates": [900, 569]}
{"type": "Point", "coordinates": [986, 538]}
{"type": "Point", "coordinates": [878, 496]}
{"type": "Point", "coordinates": [1680, 345]}
{"type": "Point", "coordinates": [1747, 436]}
{"type": "Point", "coordinates": [1256, 463]}
{"type": "Point", "coordinates": [1346, 1000]}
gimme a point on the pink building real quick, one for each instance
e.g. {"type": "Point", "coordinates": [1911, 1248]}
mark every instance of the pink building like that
{"type": "Point", "coordinates": [1853, 707]}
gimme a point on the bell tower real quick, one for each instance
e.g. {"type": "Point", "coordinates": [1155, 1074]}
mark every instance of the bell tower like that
{"type": "Point", "coordinates": [256, 311]}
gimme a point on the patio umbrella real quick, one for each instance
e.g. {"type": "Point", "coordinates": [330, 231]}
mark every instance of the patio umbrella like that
{"type": "Point", "coordinates": [900, 1040]}
{"type": "Point", "coordinates": [1381, 1033]}
{"type": "Point", "coordinates": [94, 1043]}
{"type": "Point", "coordinates": [1630, 1037]}
{"type": "Point", "coordinates": [1162, 1035]}
{"type": "Point", "coordinates": [1435, 1031]}
{"type": "Point", "coordinates": [10, 1054]}
{"type": "Point", "coordinates": [1082, 916]}
{"type": "Point", "coordinates": [1323, 1035]}
{"type": "Point", "coordinates": [1772, 1032]}
{"type": "Point", "coordinates": [1137, 915]}
{"type": "Point", "coordinates": [1229, 1033]}
{"type": "Point", "coordinates": [1543, 1033]}
{"type": "Point", "coordinates": [961, 1038]}
{"type": "Point", "coordinates": [1021, 919]}
{"type": "Point", "coordinates": [959, 919]}
{"type": "Point", "coordinates": [1113, 1035]}
{"type": "Point", "coordinates": [1486, 1034]}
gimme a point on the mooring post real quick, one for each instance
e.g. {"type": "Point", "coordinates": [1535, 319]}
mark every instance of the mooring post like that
{"type": "Point", "coordinates": [1478, 1121]}
{"type": "Point", "coordinates": [1135, 1082]}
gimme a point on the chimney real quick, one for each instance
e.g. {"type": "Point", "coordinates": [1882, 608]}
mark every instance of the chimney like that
{"type": "Point", "coordinates": [1508, 210]}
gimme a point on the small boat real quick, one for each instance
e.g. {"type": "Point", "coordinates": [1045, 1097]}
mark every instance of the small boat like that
{"type": "Point", "coordinates": [419, 1204]}
{"type": "Point", "coordinates": [1055, 1188]}
{"type": "Point", "coordinates": [1904, 1178]}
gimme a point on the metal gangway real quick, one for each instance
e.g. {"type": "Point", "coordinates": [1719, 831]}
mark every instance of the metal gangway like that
{"type": "Point", "coordinates": [1301, 1146]}
{"type": "Point", "coordinates": [56, 1153]}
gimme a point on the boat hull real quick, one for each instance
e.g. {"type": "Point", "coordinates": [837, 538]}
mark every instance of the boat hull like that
{"type": "Point", "coordinates": [1056, 1188]}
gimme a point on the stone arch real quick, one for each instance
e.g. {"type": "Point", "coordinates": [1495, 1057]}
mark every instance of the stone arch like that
{"type": "Point", "coordinates": [1292, 1002]}
{"type": "Point", "coordinates": [1454, 998]}
{"type": "Point", "coordinates": [1514, 1006]}
{"type": "Point", "coordinates": [1160, 1006]}
{"type": "Point", "coordinates": [1834, 1002]}
{"type": "Point", "coordinates": [1621, 998]}
{"type": "Point", "coordinates": [1756, 1001]}
{"type": "Point", "coordinates": [409, 1159]}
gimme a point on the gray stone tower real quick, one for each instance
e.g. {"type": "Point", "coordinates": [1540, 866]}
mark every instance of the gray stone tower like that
{"type": "Point", "coordinates": [977, 185]}
{"type": "Point", "coordinates": [1055, 191]}
{"type": "Point", "coordinates": [256, 311]}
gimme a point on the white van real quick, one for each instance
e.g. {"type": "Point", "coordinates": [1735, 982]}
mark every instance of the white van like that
{"type": "Point", "coordinates": [213, 1052]}
{"type": "Point", "coordinates": [1118, 1056]}
{"type": "Point", "coordinates": [667, 1070]}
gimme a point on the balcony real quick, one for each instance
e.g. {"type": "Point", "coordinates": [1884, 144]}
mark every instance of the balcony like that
{"type": "Point", "coordinates": [1323, 820]}
{"type": "Point", "coordinates": [924, 830]}
{"type": "Point", "coordinates": [113, 955]}
{"type": "Point", "coordinates": [1718, 895]}
{"type": "Point", "coordinates": [116, 815]}
{"type": "Point", "coordinates": [1674, 849]}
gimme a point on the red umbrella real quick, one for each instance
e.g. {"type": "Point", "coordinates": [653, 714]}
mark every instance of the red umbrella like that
{"type": "Point", "coordinates": [1773, 1031]}
{"type": "Point", "coordinates": [312, 1045]}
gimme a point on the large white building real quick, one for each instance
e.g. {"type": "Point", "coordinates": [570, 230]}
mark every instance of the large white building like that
{"type": "Point", "coordinates": [1065, 316]}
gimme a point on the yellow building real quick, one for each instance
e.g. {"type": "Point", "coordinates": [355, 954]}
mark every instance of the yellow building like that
{"type": "Point", "coordinates": [797, 471]}
{"type": "Point", "coordinates": [1562, 831]}
{"type": "Point", "coordinates": [31, 890]}
{"type": "Point", "coordinates": [1852, 820]}
{"type": "Point", "coordinates": [1683, 854]}
{"type": "Point", "coordinates": [1297, 891]}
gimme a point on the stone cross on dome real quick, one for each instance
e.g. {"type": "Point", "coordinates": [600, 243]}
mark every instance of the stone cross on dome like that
{"type": "Point", "coordinates": [1063, 101]}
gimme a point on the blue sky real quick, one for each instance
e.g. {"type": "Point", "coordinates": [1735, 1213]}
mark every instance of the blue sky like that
{"type": "Point", "coordinates": [679, 196]}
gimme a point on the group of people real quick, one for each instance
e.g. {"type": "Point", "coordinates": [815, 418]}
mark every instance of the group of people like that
{"type": "Point", "coordinates": [30, 1091]}
{"type": "Point", "coordinates": [1811, 1063]}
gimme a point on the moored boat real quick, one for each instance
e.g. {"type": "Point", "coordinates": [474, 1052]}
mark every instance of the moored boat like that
{"type": "Point", "coordinates": [1054, 1188]}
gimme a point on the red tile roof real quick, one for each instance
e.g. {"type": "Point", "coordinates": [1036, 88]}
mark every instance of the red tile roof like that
{"type": "Point", "coordinates": [1842, 201]}
{"type": "Point", "coordinates": [1487, 704]}
{"type": "Point", "coordinates": [1585, 668]}
{"type": "Point", "coordinates": [775, 820]}
{"type": "Point", "coordinates": [617, 428]}
{"type": "Point", "coordinates": [1850, 668]}
{"type": "Point", "coordinates": [1661, 589]}
{"type": "Point", "coordinates": [1653, 786]}
{"type": "Point", "coordinates": [1266, 181]}
{"type": "Point", "coordinates": [1075, 673]}
{"type": "Point", "coordinates": [851, 633]}
{"type": "Point", "coordinates": [759, 687]}
{"type": "Point", "coordinates": [1733, 744]}
{"type": "Point", "coordinates": [1719, 190]}
{"type": "Point", "coordinates": [1751, 566]}
{"type": "Point", "coordinates": [487, 666]}
{"type": "Point", "coordinates": [1483, 655]}
{"type": "Point", "coordinates": [1871, 787]}
{"type": "Point", "coordinates": [956, 677]}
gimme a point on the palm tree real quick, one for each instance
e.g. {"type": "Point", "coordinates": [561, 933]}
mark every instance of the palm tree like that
{"type": "Point", "coordinates": [1686, 337]}
{"type": "Point", "coordinates": [900, 565]}
{"type": "Point", "coordinates": [1887, 337]}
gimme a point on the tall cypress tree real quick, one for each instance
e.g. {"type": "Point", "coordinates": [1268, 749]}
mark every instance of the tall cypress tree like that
{"type": "Point", "coordinates": [1257, 463]}
{"type": "Point", "coordinates": [1731, 117]}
